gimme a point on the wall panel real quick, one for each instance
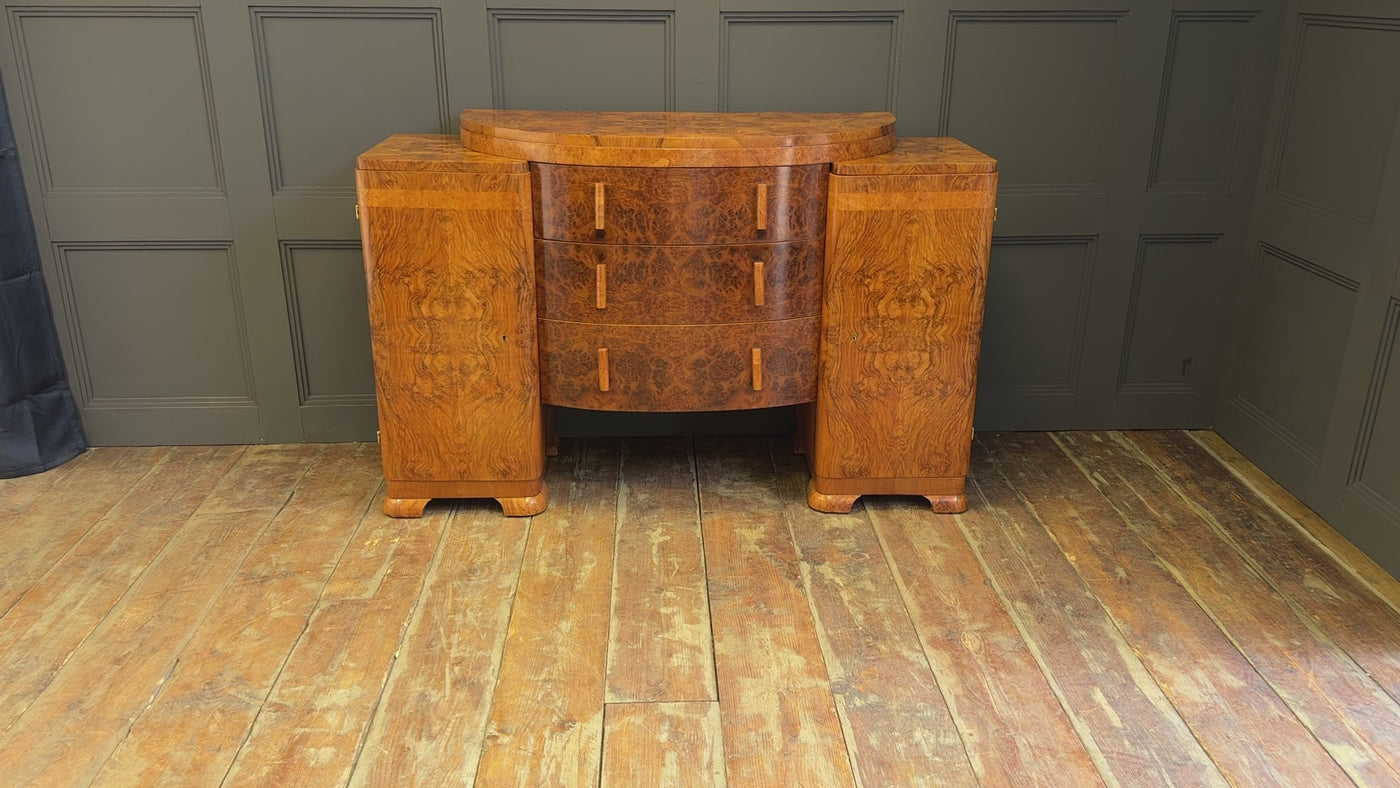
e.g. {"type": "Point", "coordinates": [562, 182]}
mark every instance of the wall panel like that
{"type": "Point", "coordinates": [809, 61]}
{"type": "Point", "coordinates": [1375, 471]}
{"type": "Point", "coordinates": [1037, 307]}
{"type": "Point", "coordinates": [1057, 84]}
{"type": "Point", "coordinates": [583, 59]}
{"type": "Point", "coordinates": [1332, 133]}
{"type": "Point", "coordinates": [1200, 107]}
{"type": "Point", "coordinates": [139, 346]}
{"type": "Point", "coordinates": [92, 116]}
{"type": "Point", "coordinates": [1302, 315]}
{"type": "Point", "coordinates": [370, 73]}
{"type": "Point", "coordinates": [1176, 315]}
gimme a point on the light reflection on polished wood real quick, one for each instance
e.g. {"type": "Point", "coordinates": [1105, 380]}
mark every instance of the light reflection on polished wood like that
{"type": "Point", "coordinates": [1112, 609]}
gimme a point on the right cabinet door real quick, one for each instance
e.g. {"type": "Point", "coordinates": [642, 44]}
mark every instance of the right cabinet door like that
{"type": "Point", "coordinates": [908, 237]}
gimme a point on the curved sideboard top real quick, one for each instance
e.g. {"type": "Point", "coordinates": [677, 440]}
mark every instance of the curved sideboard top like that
{"type": "Point", "coordinates": [678, 139]}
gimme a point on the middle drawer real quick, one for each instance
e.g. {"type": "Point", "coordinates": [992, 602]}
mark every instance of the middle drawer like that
{"type": "Point", "coordinates": [678, 285]}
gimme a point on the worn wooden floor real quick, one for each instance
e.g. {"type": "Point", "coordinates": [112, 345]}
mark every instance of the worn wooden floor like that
{"type": "Point", "coordinates": [1115, 608]}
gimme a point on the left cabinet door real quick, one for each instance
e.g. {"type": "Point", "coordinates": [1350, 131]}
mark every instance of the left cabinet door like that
{"type": "Point", "coordinates": [450, 272]}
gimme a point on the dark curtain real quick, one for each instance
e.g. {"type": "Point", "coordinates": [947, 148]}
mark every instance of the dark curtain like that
{"type": "Point", "coordinates": [39, 425]}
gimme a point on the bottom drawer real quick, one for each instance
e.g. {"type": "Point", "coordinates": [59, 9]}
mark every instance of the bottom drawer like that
{"type": "Point", "coordinates": [730, 366]}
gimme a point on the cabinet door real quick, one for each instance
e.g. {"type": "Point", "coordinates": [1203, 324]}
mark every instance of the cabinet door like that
{"type": "Point", "coordinates": [906, 274]}
{"type": "Point", "coordinates": [452, 318]}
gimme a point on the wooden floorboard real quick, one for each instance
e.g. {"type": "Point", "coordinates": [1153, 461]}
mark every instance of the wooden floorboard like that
{"type": "Point", "coordinates": [1128, 609]}
{"type": "Point", "coordinates": [659, 646]}
{"type": "Point", "coordinates": [196, 725]}
{"type": "Point", "coordinates": [1213, 686]}
{"type": "Point", "coordinates": [67, 733]}
{"type": "Point", "coordinates": [430, 726]}
{"type": "Point", "coordinates": [546, 722]}
{"type": "Point", "coordinates": [897, 725]}
{"type": "Point", "coordinates": [1101, 682]}
{"type": "Point", "coordinates": [678, 745]}
{"type": "Point", "coordinates": [776, 706]}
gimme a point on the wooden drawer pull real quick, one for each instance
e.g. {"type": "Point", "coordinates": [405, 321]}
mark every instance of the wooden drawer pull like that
{"type": "Point", "coordinates": [757, 369]}
{"type": "Point", "coordinates": [762, 207]}
{"type": "Point", "coordinates": [602, 369]}
{"type": "Point", "coordinates": [758, 283]}
{"type": "Point", "coordinates": [598, 206]}
{"type": "Point", "coordinates": [601, 299]}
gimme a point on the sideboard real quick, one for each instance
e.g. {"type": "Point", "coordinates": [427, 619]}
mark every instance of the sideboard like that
{"type": "Point", "coordinates": [674, 262]}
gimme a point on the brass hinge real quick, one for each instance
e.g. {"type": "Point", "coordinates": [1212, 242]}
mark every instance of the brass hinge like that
{"type": "Point", "coordinates": [376, 436]}
{"type": "Point", "coordinates": [995, 211]}
{"type": "Point", "coordinates": [357, 212]}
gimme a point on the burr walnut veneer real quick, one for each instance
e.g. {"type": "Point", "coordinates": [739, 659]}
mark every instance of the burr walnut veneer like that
{"type": "Point", "coordinates": [674, 262]}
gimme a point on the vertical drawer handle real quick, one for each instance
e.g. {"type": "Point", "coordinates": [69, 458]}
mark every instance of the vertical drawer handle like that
{"type": "Point", "coordinates": [758, 283]}
{"type": "Point", "coordinates": [598, 206]}
{"type": "Point", "coordinates": [602, 369]}
{"type": "Point", "coordinates": [602, 286]}
{"type": "Point", "coordinates": [757, 369]}
{"type": "Point", "coordinates": [762, 207]}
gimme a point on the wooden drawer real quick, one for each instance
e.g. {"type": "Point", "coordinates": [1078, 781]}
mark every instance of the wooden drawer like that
{"type": "Point", "coordinates": [639, 205]}
{"type": "Point", "coordinates": [606, 283]}
{"type": "Point", "coordinates": [732, 366]}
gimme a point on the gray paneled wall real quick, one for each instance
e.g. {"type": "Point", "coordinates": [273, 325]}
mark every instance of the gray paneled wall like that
{"type": "Point", "coordinates": [1312, 395]}
{"type": "Point", "coordinates": [191, 169]}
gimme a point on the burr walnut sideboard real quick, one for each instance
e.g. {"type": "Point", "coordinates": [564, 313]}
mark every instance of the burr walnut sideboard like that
{"type": "Point", "coordinates": [674, 262]}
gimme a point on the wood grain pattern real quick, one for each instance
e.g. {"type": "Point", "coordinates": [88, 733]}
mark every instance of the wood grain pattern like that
{"type": "Point", "coordinates": [677, 745]}
{"type": "Point", "coordinates": [677, 368]}
{"type": "Point", "coordinates": [316, 715]}
{"type": "Point", "coordinates": [1337, 549]}
{"type": "Point", "coordinates": [433, 153]}
{"type": "Point", "coordinates": [920, 156]}
{"type": "Point", "coordinates": [430, 725]}
{"type": "Point", "coordinates": [680, 285]}
{"type": "Point", "coordinates": [678, 139]}
{"type": "Point", "coordinates": [50, 620]}
{"type": "Point", "coordinates": [64, 512]}
{"type": "Point", "coordinates": [678, 205]}
{"type": "Point", "coordinates": [897, 725]}
{"type": "Point", "coordinates": [546, 721]}
{"type": "Point", "coordinates": [1039, 610]}
{"type": "Point", "coordinates": [780, 723]}
{"type": "Point", "coordinates": [68, 732]}
{"type": "Point", "coordinates": [193, 730]}
{"type": "Point", "coordinates": [1212, 686]}
{"type": "Point", "coordinates": [18, 493]}
{"type": "Point", "coordinates": [451, 300]}
{"type": "Point", "coordinates": [1351, 613]}
{"type": "Point", "coordinates": [1014, 729]}
{"type": "Point", "coordinates": [901, 331]}
{"type": "Point", "coordinates": [1099, 680]}
{"type": "Point", "coordinates": [1292, 651]}
{"type": "Point", "coordinates": [659, 646]}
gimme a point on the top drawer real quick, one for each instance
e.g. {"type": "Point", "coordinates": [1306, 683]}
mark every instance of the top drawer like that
{"type": "Point", "coordinates": [679, 205]}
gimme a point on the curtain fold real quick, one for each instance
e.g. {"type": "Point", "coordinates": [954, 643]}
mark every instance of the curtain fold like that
{"type": "Point", "coordinates": [39, 425]}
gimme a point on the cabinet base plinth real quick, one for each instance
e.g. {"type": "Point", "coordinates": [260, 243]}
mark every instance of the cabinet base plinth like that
{"type": "Point", "coordinates": [837, 496]}
{"type": "Point", "coordinates": [525, 507]}
{"type": "Point", "coordinates": [405, 507]}
{"type": "Point", "coordinates": [517, 498]}
{"type": "Point", "coordinates": [831, 504]}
